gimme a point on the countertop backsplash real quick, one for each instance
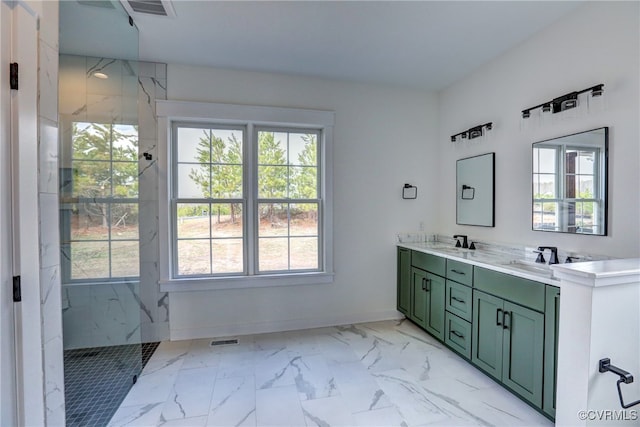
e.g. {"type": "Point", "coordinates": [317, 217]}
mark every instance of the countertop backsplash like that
{"type": "Point", "coordinates": [499, 249]}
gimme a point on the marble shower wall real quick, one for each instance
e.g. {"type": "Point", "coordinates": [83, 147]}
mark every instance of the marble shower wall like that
{"type": "Point", "coordinates": [52, 345]}
{"type": "Point", "coordinates": [155, 305]}
{"type": "Point", "coordinates": [124, 313]}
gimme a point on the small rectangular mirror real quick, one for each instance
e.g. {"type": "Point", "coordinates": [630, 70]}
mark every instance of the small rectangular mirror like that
{"type": "Point", "coordinates": [475, 190]}
{"type": "Point", "coordinates": [570, 183]}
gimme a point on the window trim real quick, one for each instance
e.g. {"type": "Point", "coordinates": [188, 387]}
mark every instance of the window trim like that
{"type": "Point", "coordinates": [250, 116]}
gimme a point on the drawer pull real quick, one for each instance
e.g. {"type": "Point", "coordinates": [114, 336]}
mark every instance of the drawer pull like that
{"type": "Point", "coordinates": [504, 319]}
{"type": "Point", "coordinates": [461, 301]}
{"type": "Point", "coordinates": [458, 272]}
{"type": "Point", "coordinates": [458, 334]}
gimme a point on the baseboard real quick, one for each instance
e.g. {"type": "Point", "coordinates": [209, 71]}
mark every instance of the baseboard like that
{"type": "Point", "coordinates": [237, 329]}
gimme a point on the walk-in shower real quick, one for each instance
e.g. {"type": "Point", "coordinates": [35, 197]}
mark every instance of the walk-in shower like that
{"type": "Point", "coordinates": [99, 215]}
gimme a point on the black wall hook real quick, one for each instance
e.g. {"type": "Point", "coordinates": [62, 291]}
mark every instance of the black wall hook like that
{"type": "Point", "coordinates": [625, 377]}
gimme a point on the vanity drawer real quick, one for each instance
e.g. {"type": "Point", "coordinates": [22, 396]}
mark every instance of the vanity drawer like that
{"type": "Point", "coordinates": [459, 300]}
{"type": "Point", "coordinates": [428, 262]}
{"type": "Point", "coordinates": [460, 272]}
{"type": "Point", "coordinates": [458, 334]}
{"type": "Point", "coordinates": [525, 292]}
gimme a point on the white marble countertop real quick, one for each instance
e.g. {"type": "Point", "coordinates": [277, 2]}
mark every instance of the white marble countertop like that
{"type": "Point", "coordinates": [504, 262]}
{"type": "Point", "coordinates": [601, 273]}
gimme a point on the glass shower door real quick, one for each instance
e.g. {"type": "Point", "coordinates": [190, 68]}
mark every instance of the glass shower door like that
{"type": "Point", "coordinates": [99, 221]}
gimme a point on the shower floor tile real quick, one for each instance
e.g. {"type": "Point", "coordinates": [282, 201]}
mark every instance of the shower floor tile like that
{"type": "Point", "coordinates": [98, 379]}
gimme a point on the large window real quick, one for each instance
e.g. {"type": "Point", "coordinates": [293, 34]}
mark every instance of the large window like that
{"type": "Point", "coordinates": [209, 194]}
{"type": "Point", "coordinates": [99, 203]}
{"type": "Point", "coordinates": [248, 199]}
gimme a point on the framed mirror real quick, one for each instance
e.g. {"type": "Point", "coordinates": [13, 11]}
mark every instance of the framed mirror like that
{"type": "Point", "coordinates": [475, 189]}
{"type": "Point", "coordinates": [570, 183]}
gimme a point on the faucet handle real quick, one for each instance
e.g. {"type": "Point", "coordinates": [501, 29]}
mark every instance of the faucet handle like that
{"type": "Point", "coordinates": [458, 243]}
{"type": "Point", "coordinates": [570, 259]}
{"type": "Point", "coordinates": [540, 259]}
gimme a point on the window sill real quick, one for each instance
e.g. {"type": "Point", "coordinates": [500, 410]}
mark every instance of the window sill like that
{"type": "Point", "coordinates": [243, 282]}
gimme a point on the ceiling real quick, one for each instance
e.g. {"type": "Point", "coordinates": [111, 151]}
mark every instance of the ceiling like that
{"type": "Point", "coordinates": [418, 44]}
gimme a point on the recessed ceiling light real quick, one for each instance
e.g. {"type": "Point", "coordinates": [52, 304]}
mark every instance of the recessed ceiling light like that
{"type": "Point", "coordinates": [100, 75]}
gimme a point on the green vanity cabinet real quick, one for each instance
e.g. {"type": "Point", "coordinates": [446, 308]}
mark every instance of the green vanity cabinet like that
{"type": "Point", "coordinates": [551, 315]}
{"type": "Point", "coordinates": [458, 306]}
{"type": "Point", "coordinates": [508, 344]}
{"type": "Point", "coordinates": [505, 325]}
{"type": "Point", "coordinates": [434, 322]}
{"type": "Point", "coordinates": [418, 306]}
{"type": "Point", "coordinates": [426, 285]}
{"type": "Point", "coordinates": [427, 301]}
{"type": "Point", "coordinates": [404, 281]}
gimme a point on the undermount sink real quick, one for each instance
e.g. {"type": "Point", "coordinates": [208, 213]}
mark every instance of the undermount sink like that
{"type": "Point", "coordinates": [531, 267]}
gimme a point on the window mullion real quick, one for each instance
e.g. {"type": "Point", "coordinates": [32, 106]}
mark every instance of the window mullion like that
{"type": "Point", "coordinates": [250, 196]}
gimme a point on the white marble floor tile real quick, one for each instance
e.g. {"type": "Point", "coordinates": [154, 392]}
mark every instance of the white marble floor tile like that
{"type": "Point", "coordinates": [312, 376]}
{"type": "Point", "coordinates": [273, 368]}
{"type": "Point", "coordinates": [233, 402]}
{"type": "Point", "coordinates": [279, 406]}
{"type": "Point", "coordinates": [191, 394]}
{"type": "Point", "coordinates": [330, 412]}
{"type": "Point", "coordinates": [201, 355]}
{"type": "Point", "coordinates": [236, 364]}
{"type": "Point", "coordinates": [380, 417]}
{"type": "Point", "coordinates": [184, 422]}
{"type": "Point", "coordinates": [376, 374]}
{"type": "Point", "coordinates": [137, 415]}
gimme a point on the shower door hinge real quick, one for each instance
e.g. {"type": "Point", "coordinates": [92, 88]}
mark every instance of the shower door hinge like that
{"type": "Point", "coordinates": [17, 290]}
{"type": "Point", "coordinates": [13, 75]}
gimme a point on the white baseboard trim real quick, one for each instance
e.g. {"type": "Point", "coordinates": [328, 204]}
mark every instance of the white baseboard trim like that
{"type": "Point", "coordinates": [236, 329]}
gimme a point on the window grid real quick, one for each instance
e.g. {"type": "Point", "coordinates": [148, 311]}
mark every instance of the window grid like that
{"type": "Point", "coordinates": [252, 237]}
{"type": "Point", "coordinates": [234, 206]}
{"type": "Point", "coordinates": [84, 200]}
{"type": "Point", "coordinates": [312, 137]}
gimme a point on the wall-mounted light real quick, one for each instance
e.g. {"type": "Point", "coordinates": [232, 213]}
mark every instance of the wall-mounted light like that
{"type": "Point", "coordinates": [409, 191]}
{"type": "Point", "coordinates": [564, 102]}
{"type": "Point", "coordinates": [474, 132]}
{"type": "Point", "coordinates": [100, 75]}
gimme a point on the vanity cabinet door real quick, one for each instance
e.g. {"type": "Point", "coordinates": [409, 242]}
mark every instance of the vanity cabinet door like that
{"type": "Point", "coordinates": [404, 280]}
{"type": "Point", "coordinates": [522, 351]}
{"type": "Point", "coordinates": [487, 333]}
{"type": "Point", "coordinates": [418, 306]}
{"type": "Point", "coordinates": [434, 317]}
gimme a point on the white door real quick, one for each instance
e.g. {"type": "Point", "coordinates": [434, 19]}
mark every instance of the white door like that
{"type": "Point", "coordinates": [21, 370]}
{"type": "Point", "coordinates": [8, 404]}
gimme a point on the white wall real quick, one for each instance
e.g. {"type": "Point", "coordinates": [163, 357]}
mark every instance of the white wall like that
{"type": "Point", "coordinates": [383, 138]}
{"type": "Point", "coordinates": [599, 43]}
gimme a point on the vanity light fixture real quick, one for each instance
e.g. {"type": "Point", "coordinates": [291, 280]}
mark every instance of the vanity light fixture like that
{"type": "Point", "coordinates": [474, 132]}
{"type": "Point", "coordinates": [100, 75]}
{"type": "Point", "coordinates": [564, 102]}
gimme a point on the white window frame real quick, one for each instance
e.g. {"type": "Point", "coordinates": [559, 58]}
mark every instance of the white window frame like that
{"type": "Point", "coordinates": [169, 112]}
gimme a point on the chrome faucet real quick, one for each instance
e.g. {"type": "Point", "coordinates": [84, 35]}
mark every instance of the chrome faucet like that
{"type": "Point", "coordinates": [465, 244]}
{"type": "Point", "coordinates": [554, 254]}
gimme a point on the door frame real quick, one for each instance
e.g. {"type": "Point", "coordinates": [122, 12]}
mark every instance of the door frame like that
{"type": "Point", "coordinates": [25, 239]}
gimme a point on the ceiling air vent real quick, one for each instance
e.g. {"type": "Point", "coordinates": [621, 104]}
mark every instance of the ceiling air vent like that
{"type": "Point", "coordinates": [149, 7]}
